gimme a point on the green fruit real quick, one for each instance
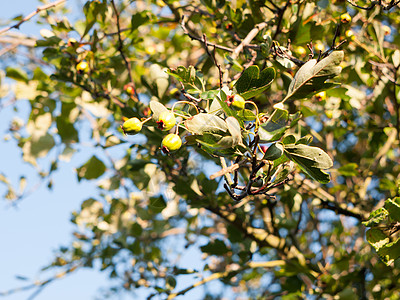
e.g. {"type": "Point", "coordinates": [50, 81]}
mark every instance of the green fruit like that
{"type": "Point", "coordinates": [132, 126]}
{"type": "Point", "coordinates": [238, 102]}
{"type": "Point", "coordinates": [171, 142]}
{"type": "Point", "coordinates": [166, 120]}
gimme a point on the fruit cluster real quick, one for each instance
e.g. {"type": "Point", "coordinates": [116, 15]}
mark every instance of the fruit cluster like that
{"type": "Point", "coordinates": [166, 121]}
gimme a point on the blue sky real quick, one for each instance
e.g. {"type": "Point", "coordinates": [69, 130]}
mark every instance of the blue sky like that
{"type": "Point", "coordinates": [37, 226]}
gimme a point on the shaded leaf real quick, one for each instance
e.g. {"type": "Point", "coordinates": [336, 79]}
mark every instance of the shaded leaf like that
{"type": "Point", "coordinates": [312, 75]}
{"type": "Point", "coordinates": [92, 169]}
{"type": "Point", "coordinates": [202, 122]}
{"type": "Point", "coordinates": [253, 83]}
{"type": "Point", "coordinates": [376, 217]}
{"type": "Point", "coordinates": [274, 128]}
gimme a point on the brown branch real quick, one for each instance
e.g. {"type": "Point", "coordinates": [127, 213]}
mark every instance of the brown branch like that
{"type": "Point", "coordinates": [201, 39]}
{"type": "Point", "coordinates": [32, 14]}
{"type": "Point", "coordinates": [374, 3]}
{"type": "Point", "coordinates": [280, 17]}
{"type": "Point", "coordinates": [121, 50]}
{"type": "Point", "coordinates": [249, 265]}
{"type": "Point", "coordinates": [246, 41]}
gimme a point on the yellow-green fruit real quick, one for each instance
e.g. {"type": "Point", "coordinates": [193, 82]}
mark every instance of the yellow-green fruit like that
{"type": "Point", "coordinates": [130, 90]}
{"type": "Point", "coordinates": [238, 102]}
{"type": "Point", "coordinates": [132, 126]}
{"type": "Point", "coordinates": [171, 142]}
{"type": "Point", "coordinates": [301, 51]}
{"type": "Point", "coordinates": [345, 18]}
{"type": "Point", "coordinates": [318, 46]}
{"type": "Point", "coordinates": [320, 96]}
{"type": "Point", "coordinates": [82, 67]}
{"type": "Point", "coordinates": [166, 120]}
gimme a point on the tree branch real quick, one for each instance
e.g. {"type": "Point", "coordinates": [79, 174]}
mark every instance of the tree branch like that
{"type": "Point", "coordinates": [32, 14]}
{"type": "Point", "coordinates": [121, 50]}
{"type": "Point", "coordinates": [250, 265]}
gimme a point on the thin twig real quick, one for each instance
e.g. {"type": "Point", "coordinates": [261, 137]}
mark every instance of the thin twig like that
{"type": "Point", "coordinates": [250, 265]}
{"type": "Point", "coordinates": [121, 50]}
{"type": "Point", "coordinates": [193, 37]}
{"type": "Point", "coordinates": [31, 15]}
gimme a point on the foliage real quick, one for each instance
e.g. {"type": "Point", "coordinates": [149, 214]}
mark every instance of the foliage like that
{"type": "Point", "coordinates": [276, 196]}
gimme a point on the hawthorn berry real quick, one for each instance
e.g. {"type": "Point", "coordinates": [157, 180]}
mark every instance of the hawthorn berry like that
{"type": "Point", "coordinates": [166, 120]}
{"type": "Point", "coordinates": [82, 67]}
{"type": "Point", "coordinates": [345, 18]}
{"type": "Point", "coordinates": [170, 143]}
{"type": "Point", "coordinates": [132, 126]}
{"type": "Point", "coordinates": [237, 102]}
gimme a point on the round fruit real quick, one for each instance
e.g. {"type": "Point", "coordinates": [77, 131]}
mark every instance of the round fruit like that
{"type": "Point", "coordinates": [132, 126]}
{"type": "Point", "coordinates": [166, 120]}
{"type": "Point", "coordinates": [345, 18]}
{"type": "Point", "coordinates": [320, 96]}
{"type": "Point", "coordinates": [82, 67]}
{"type": "Point", "coordinates": [301, 51]}
{"type": "Point", "coordinates": [349, 34]}
{"type": "Point", "coordinates": [130, 90]}
{"type": "Point", "coordinates": [72, 42]}
{"type": "Point", "coordinates": [238, 102]}
{"type": "Point", "coordinates": [171, 142]}
{"type": "Point", "coordinates": [318, 46]}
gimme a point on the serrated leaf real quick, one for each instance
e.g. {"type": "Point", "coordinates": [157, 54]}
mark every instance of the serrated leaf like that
{"type": "Point", "coordinates": [376, 238]}
{"type": "Point", "coordinates": [253, 83]}
{"type": "Point", "coordinates": [376, 217]}
{"type": "Point", "coordinates": [202, 122]}
{"type": "Point", "coordinates": [314, 73]}
{"type": "Point", "coordinates": [393, 207]}
{"type": "Point", "coordinates": [390, 252]}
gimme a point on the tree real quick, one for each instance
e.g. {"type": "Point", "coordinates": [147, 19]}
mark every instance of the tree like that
{"type": "Point", "coordinates": [293, 105]}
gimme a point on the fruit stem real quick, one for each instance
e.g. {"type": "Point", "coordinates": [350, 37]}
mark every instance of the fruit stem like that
{"type": "Point", "coordinates": [257, 112]}
{"type": "Point", "coordinates": [186, 102]}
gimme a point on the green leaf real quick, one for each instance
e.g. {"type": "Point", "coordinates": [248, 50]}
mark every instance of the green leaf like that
{"type": "Point", "coordinates": [376, 217]}
{"type": "Point", "coordinates": [274, 152]}
{"type": "Point", "coordinates": [234, 130]}
{"type": "Point", "coordinates": [274, 128]}
{"type": "Point", "coordinates": [92, 169]}
{"type": "Point", "coordinates": [202, 122]}
{"type": "Point", "coordinates": [253, 83]}
{"type": "Point", "coordinates": [349, 170]}
{"type": "Point", "coordinates": [376, 238]}
{"type": "Point", "coordinates": [216, 247]}
{"type": "Point", "coordinates": [246, 115]}
{"type": "Point", "coordinates": [393, 207]}
{"type": "Point", "coordinates": [17, 74]}
{"type": "Point", "coordinates": [311, 77]}
{"type": "Point", "coordinates": [311, 160]}
{"type": "Point", "coordinates": [138, 19]}
{"type": "Point", "coordinates": [318, 158]}
{"type": "Point", "coordinates": [390, 252]}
